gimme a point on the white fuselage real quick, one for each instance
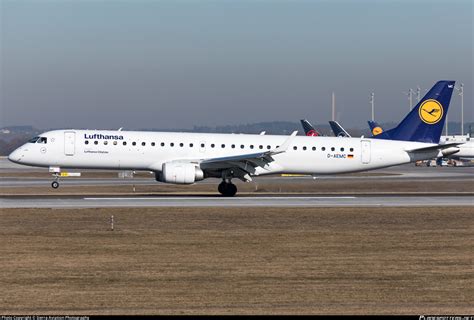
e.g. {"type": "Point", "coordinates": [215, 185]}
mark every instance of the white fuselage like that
{"type": "Point", "coordinates": [466, 149]}
{"type": "Point", "coordinates": [136, 150]}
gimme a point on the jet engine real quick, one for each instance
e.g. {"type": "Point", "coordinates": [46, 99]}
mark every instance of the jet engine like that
{"type": "Point", "coordinates": [179, 173]}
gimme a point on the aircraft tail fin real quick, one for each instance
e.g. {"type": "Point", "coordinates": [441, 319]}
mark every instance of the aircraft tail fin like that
{"type": "Point", "coordinates": [338, 129]}
{"type": "Point", "coordinates": [375, 128]}
{"type": "Point", "coordinates": [309, 129]}
{"type": "Point", "coordinates": [425, 121]}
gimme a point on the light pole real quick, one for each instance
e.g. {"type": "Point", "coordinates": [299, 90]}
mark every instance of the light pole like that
{"type": "Point", "coordinates": [410, 97]}
{"type": "Point", "coordinates": [333, 107]}
{"type": "Point", "coordinates": [418, 93]}
{"type": "Point", "coordinates": [461, 93]}
{"type": "Point", "coordinates": [447, 125]}
{"type": "Point", "coordinates": [372, 104]}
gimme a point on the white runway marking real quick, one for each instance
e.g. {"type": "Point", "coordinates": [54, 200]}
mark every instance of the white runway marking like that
{"type": "Point", "coordinates": [217, 198]}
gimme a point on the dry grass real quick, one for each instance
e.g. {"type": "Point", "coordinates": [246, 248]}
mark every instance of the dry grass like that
{"type": "Point", "coordinates": [237, 261]}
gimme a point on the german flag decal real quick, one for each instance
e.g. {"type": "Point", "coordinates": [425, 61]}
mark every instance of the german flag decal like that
{"type": "Point", "coordinates": [350, 156]}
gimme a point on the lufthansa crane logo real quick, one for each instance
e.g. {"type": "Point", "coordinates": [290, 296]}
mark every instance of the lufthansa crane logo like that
{"type": "Point", "coordinates": [376, 131]}
{"type": "Point", "coordinates": [431, 111]}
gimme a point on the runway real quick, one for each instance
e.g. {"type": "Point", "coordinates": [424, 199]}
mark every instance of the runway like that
{"type": "Point", "coordinates": [398, 186]}
{"type": "Point", "coordinates": [395, 200]}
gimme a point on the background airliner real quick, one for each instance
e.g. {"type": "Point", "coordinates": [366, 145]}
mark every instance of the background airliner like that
{"type": "Point", "coordinates": [466, 145]}
{"type": "Point", "coordinates": [184, 158]}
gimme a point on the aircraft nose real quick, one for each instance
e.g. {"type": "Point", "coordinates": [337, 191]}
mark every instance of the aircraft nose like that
{"type": "Point", "coordinates": [15, 156]}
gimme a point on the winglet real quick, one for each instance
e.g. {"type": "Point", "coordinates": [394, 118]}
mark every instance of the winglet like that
{"type": "Point", "coordinates": [285, 144]}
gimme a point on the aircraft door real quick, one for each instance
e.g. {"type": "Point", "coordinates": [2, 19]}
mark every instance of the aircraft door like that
{"type": "Point", "coordinates": [69, 143]}
{"type": "Point", "coordinates": [365, 151]}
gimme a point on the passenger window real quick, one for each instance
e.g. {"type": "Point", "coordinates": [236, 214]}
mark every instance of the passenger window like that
{"type": "Point", "coordinates": [295, 148]}
{"type": "Point", "coordinates": [96, 142]}
{"type": "Point", "coordinates": [241, 146]}
{"type": "Point", "coordinates": [162, 144]}
{"type": "Point", "coordinates": [181, 144]}
{"type": "Point", "coordinates": [332, 149]}
{"type": "Point", "coordinates": [222, 146]}
{"type": "Point", "coordinates": [342, 149]}
{"type": "Point", "coordinates": [251, 146]}
{"type": "Point", "coordinates": [105, 143]}
{"type": "Point", "coordinates": [212, 145]}
{"type": "Point", "coordinates": [172, 144]}
{"type": "Point", "coordinates": [143, 143]}
{"type": "Point", "coordinates": [86, 142]}
{"type": "Point", "coordinates": [269, 147]}
{"type": "Point", "coordinates": [152, 144]}
{"type": "Point", "coordinates": [304, 148]}
{"type": "Point", "coordinates": [190, 145]}
{"type": "Point", "coordinates": [134, 143]}
{"type": "Point", "coordinates": [351, 149]}
{"type": "Point", "coordinates": [202, 145]}
{"type": "Point", "coordinates": [314, 148]}
{"type": "Point", "coordinates": [125, 143]}
{"type": "Point", "coordinates": [233, 146]}
{"type": "Point", "coordinates": [115, 143]}
{"type": "Point", "coordinates": [260, 147]}
{"type": "Point", "coordinates": [323, 148]}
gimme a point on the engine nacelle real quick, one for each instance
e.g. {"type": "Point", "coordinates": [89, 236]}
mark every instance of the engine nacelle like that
{"type": "Point", "coordinates": [179, 173]}
{"type": "Point", "coordinates": [449, 151]}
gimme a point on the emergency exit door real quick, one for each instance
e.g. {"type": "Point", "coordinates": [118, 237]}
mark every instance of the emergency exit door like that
{"type": "Point", "coordinates": [365, 151]}
{"type": "Point", "coordinates": [69, 143]}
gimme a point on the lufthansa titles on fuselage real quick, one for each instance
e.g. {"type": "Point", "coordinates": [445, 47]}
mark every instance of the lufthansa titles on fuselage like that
{"type": "Point", "coordinates": [99, 136]}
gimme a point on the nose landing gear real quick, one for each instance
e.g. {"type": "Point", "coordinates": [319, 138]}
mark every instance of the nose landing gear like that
{"type": "Point", "coordinates": [227, 189]}
{"type": "Point", "coordinates": [56, 172]}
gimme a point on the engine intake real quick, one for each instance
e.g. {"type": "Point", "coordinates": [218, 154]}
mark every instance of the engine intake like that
{"type": "Point", "coordinates": [179, 173]}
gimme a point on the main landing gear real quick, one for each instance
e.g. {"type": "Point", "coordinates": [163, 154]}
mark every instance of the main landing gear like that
{"type": "Point", "coordinates": [227, 189]}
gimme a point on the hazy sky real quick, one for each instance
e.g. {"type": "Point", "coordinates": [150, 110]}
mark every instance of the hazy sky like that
{"type": "Point", "coordinates": [176, 63]}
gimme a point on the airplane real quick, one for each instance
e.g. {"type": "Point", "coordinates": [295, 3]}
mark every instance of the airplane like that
{"type": "Point", "coordinates": [309, 129]}
{"type": "Point", "coordinates": [184, 158]}
{"type": "Point", "coordinates": [338, 130]}
{"type": "Point", "coordinates": [466, 145]}
{"type": "Point", "coordinates": [335, 126]}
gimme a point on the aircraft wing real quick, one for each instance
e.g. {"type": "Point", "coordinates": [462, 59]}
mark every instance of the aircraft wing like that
{"type": "Point", "coordinates": [245, 164]}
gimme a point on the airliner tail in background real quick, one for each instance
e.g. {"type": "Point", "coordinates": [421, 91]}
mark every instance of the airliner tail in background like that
{"type": "Point", "coordinates": [338, 130]}
{"type": "Point", "coordinates": [375, 128]}
{"type": "Point", "coordinates": [308, 128]}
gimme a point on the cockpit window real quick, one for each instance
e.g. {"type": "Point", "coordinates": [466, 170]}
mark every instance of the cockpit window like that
{"type": "Point", "coordinates": [42, 140]}
{"type": "Point", "coordinates": [33, 140]}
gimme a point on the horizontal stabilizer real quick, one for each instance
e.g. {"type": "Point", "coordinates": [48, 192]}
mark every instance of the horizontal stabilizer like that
{"type": "Point", "coordinates": [436, 147]}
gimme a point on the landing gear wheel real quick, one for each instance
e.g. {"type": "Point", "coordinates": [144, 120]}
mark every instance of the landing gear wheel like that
{"type": "Point", "coordinates": [231, 190]}
{"type": "Point", "coordinates": [55, 184]}
{"type": "Point", "coordinates": [227, 189]}
{"type": "Point", "coordinates": [221, 188]}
